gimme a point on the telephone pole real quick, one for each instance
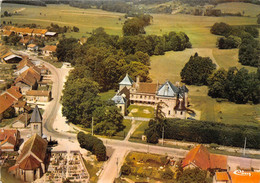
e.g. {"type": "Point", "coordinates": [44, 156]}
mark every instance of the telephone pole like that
{"type": "Point", "coordinates": [244, 152]}
{"type": "Point", "coordinates": [92, 126]}
{"type": "Point", "coordinates": [162, 134]}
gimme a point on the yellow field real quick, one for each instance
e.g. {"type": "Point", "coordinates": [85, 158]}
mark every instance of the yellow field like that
{"type": "Point", "coordinates": [249, 9]}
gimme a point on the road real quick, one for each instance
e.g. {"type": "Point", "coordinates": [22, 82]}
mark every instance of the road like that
{"type": "Point", "coordinates": [112, 166]}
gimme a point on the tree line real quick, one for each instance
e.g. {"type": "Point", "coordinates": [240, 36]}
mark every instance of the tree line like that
{"type": "Point", "coordinates": [242, 37]}
{"type": "Point", "coordinates": [204, 132]}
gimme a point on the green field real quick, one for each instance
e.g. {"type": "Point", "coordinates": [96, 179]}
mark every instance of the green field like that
{"type": "Point", "coordinates": [196, 27]}
{"type": "Point", "coordinates": [140, 130]}
{"type": "Point", "coordinates": [141, 111]}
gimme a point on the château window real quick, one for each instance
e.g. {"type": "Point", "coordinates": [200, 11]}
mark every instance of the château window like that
{"type": "Point", "coordinates": [181, 112]}
{"type": "Point", "coordinates": [141, 96]}
{"type": "Point", "coordinates": [35, 127]}
{"type": "Point", "coordinates": [169, 112]}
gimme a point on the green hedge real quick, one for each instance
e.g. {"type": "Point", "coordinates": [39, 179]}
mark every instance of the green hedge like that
{"type": "Point", "coordinates": [210, 132]}
{"type": "Point", "coordinates": [92, 144]}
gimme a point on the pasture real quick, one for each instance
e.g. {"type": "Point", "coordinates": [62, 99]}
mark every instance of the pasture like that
{"type": "Point", "coordinates": [196, 27]}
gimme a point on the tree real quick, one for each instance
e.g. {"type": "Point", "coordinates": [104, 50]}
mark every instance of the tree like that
{"type": "Point", "coordinates": [229, 42]}
{"type": "Point", "coordinates": [135, 69]}
{"type": "Point", "coordinates": [80, 100]}
{"type": "Point", "coordinates": [194, 175]}
{"type": "Point", "coordinates": [221, 29]}
{"type": "Point", "coordinates": [197, 70]}
{"type": "Point", "coordinates": [108, 120]}
{"type": "Point", "coordinates": [100, 151]}
{"type": "Point", "coordinates": [75, 29]}
{"type": "Point", "coordinates": [217, 83]}
{"type": "Point", "coordinates": [258, 19]}
{"type": "Point", "coordinates": [66, 50]}
{"type": "Point", "coordinates": [125, 169]}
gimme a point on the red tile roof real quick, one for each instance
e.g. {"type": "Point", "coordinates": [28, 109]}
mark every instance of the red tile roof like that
{"type": "Point", "coordinates": [149, 88]}
{"type": "Point", "coordinates": [26, 77]}
{"type": "Point", "coordinates": [8, 135]}
{"type": "Point", "coordinates": [14, 93]}
{"type": "Point", "coordinates": [6, 101]}
{"type": "Point", "coordinates": [39, 31]}
{"type": "Point", "coordinates": [49, 48]}
{"type": "Point", "coordinates": [222, 176]}
{"type": "Point", "coordinates": [37, 93]}
{"type": "Point", "coordinates": [200, 157]}
{"type": "Point", "coordinates": [29, 163]}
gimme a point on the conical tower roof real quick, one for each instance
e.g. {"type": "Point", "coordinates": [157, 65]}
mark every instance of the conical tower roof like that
{"type": "Point", "coordinates": [127, 80]}
{"type": "Point", "coordinates": [36, 115]}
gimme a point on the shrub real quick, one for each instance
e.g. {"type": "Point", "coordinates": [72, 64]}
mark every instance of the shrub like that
{"type": "Point", "coordinates": [125, 169]}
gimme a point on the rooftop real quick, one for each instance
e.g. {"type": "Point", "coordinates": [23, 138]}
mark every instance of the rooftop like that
{"type": "Point", "coordinates": [127, 81]}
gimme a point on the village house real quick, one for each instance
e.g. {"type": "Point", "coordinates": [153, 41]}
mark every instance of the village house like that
{"type": "Point", "coordinates": [23, 65]}
{"type": "Point", "coordinates": [9, 139]}
{"type": "Point", "coordinates": [201, 158]}
{"type": "Point", "coordinates": [38, 96]}
{"type": "Point", "coordinates": [26, 81]}
{"type": "Point", "coordinates": [14, 92]}
{"type": "Point", "coordinates": [32, 47]}
{"type": "Point", "coordinates": [173, 99]}
{"type": "Point", "coordinates": [39, 32]}
{"type": "Point", "coordinates": [21, 107]}
{"type": "Point", "coordinates": [31, 162]}
{"type": "Point", "coordinates": [22, 121]}
{"type": "Point", "coordinates": [49, 50]}
{"type": "Point", "coordinates": [51, 34]}
{"type": "Point", "coordinates": [237, 176]}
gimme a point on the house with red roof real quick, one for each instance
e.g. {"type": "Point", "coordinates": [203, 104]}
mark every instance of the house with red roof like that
{"type": "Point", "coordinates": [9, 139]}
{"type": "Point", "coordinates": [201, 158]}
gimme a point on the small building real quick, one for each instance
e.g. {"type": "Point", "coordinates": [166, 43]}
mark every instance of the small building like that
{"type": "Point", "coordinates": [9, 139]}
{"type": "Point", "coordinates": [39, 32]}
{"type": "Point", "coordinates": [51, 34]}
{"type": "Point", "coordinates": [21, 107]}
{"type": "Point", "coordinates": [8, 33]}
{"type": "Point", "coordinates": [201, 158]}
{"type": "Point", "coordinates": [14, 92]}
{"type": "Point", "coordinates": [32, 47]}
{"type": "Point", "coordinates": [49, 50]}
{"type": "Point", "coordinates": [22, 121]}
{"type": "Point", "coordinates": [31, 162]}
{"type": "Point", "coordinates": [38, 96]}
{"type": "Point", "coordinates": [12, 59]}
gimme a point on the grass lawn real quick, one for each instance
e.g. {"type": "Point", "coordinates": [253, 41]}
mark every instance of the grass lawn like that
{"type": "Point", "coordinates": [140, 130]}
{"type": "Point", "coordinates": [93, 169]}
{"type": "Point", "coordinates": [6, 122]}
{"type": "Point", "coordinates": [120, 135]}
{"type": "Point", "coordinates": [141, 111]}
{"type": "Point", "coordinates": [229, 58]}
{"type": "Point", "coordinates": [54, 63]}
{"type": "Point", "coordinates": [107, 95]}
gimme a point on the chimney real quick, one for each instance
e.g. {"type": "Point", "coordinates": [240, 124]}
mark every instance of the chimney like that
{"type": "Point", "coordinates": [177, 83]}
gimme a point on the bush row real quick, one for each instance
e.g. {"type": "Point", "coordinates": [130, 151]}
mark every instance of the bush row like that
{"type": "Point", "coordinates": [92, 144]}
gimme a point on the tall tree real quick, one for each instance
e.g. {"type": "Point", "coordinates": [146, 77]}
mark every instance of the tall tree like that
{"type": "Point", "coordinates": [197, 70]}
